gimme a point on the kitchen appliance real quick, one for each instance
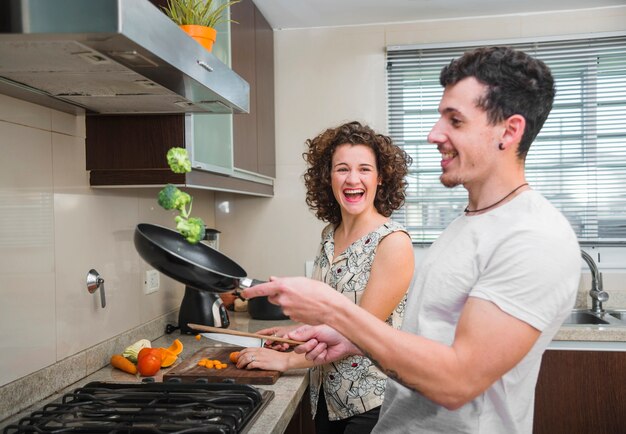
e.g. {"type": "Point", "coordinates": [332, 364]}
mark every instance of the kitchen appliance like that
{"type": "Point", "coordinates": [203, 306]}
{"type": "Point", "coordinates": [204, 270]}
{"type": "Point", "coordinates": [110, 56]}
{"type": "Point", "coordinates": [261, 308]}
{"type": "Point", "coordinates": [168, 407]}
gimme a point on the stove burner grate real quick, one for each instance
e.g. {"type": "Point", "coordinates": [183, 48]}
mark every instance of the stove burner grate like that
{"type": "Point", "coordinates": [147, 408]}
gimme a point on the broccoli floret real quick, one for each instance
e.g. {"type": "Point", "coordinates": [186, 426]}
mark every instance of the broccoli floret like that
{"type": "Point", "coordinates": [192, 229]}
{"type": "Point", "coordinates": [170, 197]}
{"type": "Point", "coordinates": [178, 160]}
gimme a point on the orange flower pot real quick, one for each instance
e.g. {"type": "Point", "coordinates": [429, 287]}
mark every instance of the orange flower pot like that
{"type": "Point", "coordinates": [205, 36]}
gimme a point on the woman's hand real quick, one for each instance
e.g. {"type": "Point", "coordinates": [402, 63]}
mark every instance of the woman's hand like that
{"type": "Point", "coordinates": [279, 332]}
{"type": "Point", "coordinates": [263, 358]}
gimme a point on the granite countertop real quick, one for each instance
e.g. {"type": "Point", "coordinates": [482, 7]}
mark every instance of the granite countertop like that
{"type": "Point", "coordinates": [590, 337]}
{"type": "Point", "coordinates": [288, 389]}
{"type": "Point", "coordinates": [291, 386]}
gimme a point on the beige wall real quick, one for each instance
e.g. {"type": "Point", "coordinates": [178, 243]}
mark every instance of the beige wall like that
{"type": "Point", "coordinates": [53, 229]}
{"type": "Point", "coordinates": [330, 75]}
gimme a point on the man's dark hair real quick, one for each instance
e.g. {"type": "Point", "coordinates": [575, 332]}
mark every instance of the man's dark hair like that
{"type": "Point", "coordinates": [517, 84]}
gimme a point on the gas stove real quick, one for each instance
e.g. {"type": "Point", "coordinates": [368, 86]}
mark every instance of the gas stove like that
{"type": "Point", "coordinates": [168, 407]}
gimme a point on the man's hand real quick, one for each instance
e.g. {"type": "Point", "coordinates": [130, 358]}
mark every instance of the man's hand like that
{"type": "Point", "coordinates": [324, 344]}
{"type": "Point", "coordinates": [279, 332]}
{"type": "Point", "coordinates": [303, 300]}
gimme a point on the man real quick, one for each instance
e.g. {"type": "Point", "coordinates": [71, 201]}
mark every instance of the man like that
{"type": "Point", "coordinates": [492, 290]}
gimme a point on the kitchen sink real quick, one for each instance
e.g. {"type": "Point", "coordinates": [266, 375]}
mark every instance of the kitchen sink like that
{"type": "Point", "coordinates": [583, 317]}
{"type": "Point", "coordinates": [587, 317]}
{"type": "Point", "coordinates": [619, 314]}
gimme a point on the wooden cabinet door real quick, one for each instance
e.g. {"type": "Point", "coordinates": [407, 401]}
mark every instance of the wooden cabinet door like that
{"type": "Point", "coordinates": [581, 392]}
{"type": "Point", "coordinates": [265, 97]}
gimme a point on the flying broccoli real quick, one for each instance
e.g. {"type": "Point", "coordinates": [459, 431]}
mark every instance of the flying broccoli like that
{"type": "Point", "coordinates": [178, 160]}
{"type": "Point", "coordinates": [192, 229]}
{"type": "Point", "coordinates": [172, 198]}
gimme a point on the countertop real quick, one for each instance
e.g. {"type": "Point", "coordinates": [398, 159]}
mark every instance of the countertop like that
{"type": "Point", "coordinates": [291, 386]}
{"type": "Point", "coordinates": [288, 389]}
{"type": "Point", "coordinates": [590, 338]}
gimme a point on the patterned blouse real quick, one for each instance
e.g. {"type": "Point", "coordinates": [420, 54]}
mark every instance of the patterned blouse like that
{"type": "Point", "coordinates": [352, 385]}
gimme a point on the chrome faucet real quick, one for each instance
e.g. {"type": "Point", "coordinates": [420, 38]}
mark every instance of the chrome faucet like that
{"type": "Point", "coordinates": [597, 294]}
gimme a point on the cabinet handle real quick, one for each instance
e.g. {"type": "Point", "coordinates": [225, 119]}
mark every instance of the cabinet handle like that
{"type": "Point", "coordinates": [205, 65]}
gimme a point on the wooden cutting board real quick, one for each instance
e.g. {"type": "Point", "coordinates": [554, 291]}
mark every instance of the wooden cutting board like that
{"type": "Point", "coordinates": [188, 371]}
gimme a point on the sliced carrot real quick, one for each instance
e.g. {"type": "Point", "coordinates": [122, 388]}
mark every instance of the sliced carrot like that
{"type": "Point", "coordinates": [234, 356]}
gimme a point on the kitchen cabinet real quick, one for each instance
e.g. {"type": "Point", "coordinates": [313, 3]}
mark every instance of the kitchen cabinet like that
{"type": "Point", "coordinates": [130, 150]}
{"type": "Point", "coordinates": [301, 422]}
{"type": "Point", "coordinates": [581, 392]}
{"type": "Point", "coordinates": [253, 59]}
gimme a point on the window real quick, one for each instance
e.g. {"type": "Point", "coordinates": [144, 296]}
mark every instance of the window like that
{"type": "Point", "coordinates": [578, 160]}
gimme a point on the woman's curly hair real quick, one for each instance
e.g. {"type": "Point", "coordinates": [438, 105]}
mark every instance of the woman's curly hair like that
{"type": "Point", "coordinates": [392, 164]}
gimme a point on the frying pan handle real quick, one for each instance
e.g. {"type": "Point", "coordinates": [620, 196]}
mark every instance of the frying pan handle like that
{"type": "Point", "coordinates": [246, 283]}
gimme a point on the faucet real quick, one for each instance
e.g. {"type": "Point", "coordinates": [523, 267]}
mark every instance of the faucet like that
{"type": "Point", "coordinates": [597, 294]}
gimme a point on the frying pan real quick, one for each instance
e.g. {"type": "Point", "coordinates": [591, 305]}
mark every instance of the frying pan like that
{"type": "Point", "coordinates": [195, 265]}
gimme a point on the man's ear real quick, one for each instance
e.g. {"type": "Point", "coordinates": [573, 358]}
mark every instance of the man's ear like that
{"type": "Point", "coordinates": [514, 127]}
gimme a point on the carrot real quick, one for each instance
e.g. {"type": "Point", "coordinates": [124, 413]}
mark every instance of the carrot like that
{"type": "Point", "coordinates": [120, 362]}
{"type": "Point", "coordinates": [234, 356]}
{"type": "Point", "coordinates": [212, 364]}
{"type": "Point", "coordinates": [198, 337]}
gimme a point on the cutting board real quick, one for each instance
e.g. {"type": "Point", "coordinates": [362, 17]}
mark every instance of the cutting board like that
{"type": "Point", "coordinates": [188, 371]}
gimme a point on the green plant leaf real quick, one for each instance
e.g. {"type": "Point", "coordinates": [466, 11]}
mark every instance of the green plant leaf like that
{"type": "Point", "coordinates": [198, 12]}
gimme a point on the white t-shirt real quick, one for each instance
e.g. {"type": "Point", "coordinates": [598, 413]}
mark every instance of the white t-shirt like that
{"type": "Point", "coordinates": [524, 257]}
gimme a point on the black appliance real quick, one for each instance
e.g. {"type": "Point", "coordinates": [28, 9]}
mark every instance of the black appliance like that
{"type": "Point", "coordinates": [204, 271]}
{"type": "Point", "coordinates": [169, 407]}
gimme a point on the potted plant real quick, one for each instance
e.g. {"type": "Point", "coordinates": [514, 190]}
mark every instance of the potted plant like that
{"type": "Point", "coordinates": [198, 18]}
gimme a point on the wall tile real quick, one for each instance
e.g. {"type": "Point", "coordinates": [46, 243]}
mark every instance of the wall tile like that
{"type": "Point", "coordinates": [65, 123]}
{"type": "Point", "coordinates": [24, 113]}
{"type": "Point", "coordinates": [94, 231]}
{"type": "Point", "coordinates": [27, 274]}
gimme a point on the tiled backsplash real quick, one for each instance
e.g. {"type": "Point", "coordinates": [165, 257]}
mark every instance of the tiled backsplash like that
{"type": "Point", "coordinates": [28, 390]}
{"type": "Point", "coordinates": [54, 228]}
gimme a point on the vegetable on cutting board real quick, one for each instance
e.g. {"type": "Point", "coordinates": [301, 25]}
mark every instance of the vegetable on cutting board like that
{"type": "Point", "coordinates": [234, 356]}
{"type": "Point", "coordinates": [212, 364]}
{"type": "Point", "coordinates": [120, 362]}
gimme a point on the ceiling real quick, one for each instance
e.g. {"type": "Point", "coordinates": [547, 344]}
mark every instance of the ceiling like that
{"type": "Point", "coordinates": [294, 14]}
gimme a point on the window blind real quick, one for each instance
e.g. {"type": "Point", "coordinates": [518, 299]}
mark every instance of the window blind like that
{"type": "Point", "coordinates": [578, 160]}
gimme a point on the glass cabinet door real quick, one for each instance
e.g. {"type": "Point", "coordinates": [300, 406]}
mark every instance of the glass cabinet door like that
{"type": "Point", "coordinates": [210, 136]}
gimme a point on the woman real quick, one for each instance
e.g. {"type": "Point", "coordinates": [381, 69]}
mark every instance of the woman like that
{"type": "Point", "coordinates": [354, 181]}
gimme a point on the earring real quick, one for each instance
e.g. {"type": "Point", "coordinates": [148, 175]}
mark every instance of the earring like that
{"type": "Point", "coordinates": [501, 146]}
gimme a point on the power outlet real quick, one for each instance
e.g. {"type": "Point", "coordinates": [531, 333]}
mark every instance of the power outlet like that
{"type": "Point", "coordinates": [152, 282]}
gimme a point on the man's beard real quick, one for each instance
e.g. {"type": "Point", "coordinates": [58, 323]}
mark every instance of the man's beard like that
{"type": "Point", "coordinates": [449, 181]}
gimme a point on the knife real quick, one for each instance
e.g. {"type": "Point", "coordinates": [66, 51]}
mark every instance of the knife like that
{"type": "Point", "coordinates": [205, 328]}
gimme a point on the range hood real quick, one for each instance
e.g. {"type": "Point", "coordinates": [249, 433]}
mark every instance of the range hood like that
{"type": "Point", "coordinates": [110, 56]}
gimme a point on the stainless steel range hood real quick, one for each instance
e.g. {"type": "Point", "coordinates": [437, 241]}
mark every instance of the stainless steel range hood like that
{"type": "Point", "coordinates": [110, 56]}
